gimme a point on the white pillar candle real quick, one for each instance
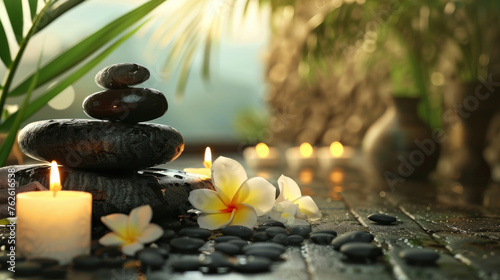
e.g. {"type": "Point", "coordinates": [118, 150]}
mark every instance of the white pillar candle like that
{"type": "Point", "coordinates": [54, 227]}
{"type": "Point", "coordinates": [54, 224]}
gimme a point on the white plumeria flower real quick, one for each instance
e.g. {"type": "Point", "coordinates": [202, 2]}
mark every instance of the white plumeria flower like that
{"type": "Point", "coordinates": [236, 200]}
{"type": "Point", "coordinates": [131, 232]}
{"type": "Point", "coordinates": [291, 208]}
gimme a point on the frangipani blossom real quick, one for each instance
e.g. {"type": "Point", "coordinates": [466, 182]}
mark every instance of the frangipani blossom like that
{"type": "Point", "coordinates": [131, 232]}
{"type": "Point", "coordinates": [291, 207]}
{"type": "Point", "coordinates": [236, 200]}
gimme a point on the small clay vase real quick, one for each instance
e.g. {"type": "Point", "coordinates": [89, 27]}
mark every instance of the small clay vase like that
{"type": "Point", "coordinates": [474, 107]}
{"type": "Point", "coordinates": [399, 144]}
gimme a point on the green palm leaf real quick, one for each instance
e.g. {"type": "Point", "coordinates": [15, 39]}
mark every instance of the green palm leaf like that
{"type": "Point", "coordinates": [33, 5]}
{"type": "Point", "coordinates": [11, 137]}
{"type": "Point", "coordinates": [4, 50]}
{"type": "Point", "coordinates": [15, 11]}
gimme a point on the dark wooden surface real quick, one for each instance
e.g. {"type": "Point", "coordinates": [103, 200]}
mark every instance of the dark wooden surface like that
{"type": "Point", "coordinates": [463, 224]}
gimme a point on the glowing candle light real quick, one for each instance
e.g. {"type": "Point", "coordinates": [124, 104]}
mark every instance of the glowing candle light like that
{"type": "Point", "coordinates": [261, 156]}
{"type": "Point", "coordinates": [302, 156]}
{"type": "Point", "coordinates": [207, 163]}
{"type": "Point", "coordinates": [54, 224]}
{"type": "Point", "coordinates": [335, 155]}
{"type": "Point", "coordinates": [336, 149]}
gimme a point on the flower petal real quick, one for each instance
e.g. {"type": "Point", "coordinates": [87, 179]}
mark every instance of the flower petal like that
{"type": "Point", "coordinates": [132, 248]}
{"type": "Point", "coordinates": [139, 219]}
{"type": "Point", "coordinates": [150, 233]}
{"type": "Point", "coordinates": [244, 216]}
{"type": "Point", "coordinates": [289, 190]}
{"type": "Point", "coordinates": [227, 177]}
{"type": "Point", "coordinates": [308, 207]}
{"type": "Point", "coordinates": [208, 201]}
{"type": "Point", "coordinates": [215, 220]}
{"type": "Point", "coordinates": [258, 193]}
{"type": "Point", "coordinates": [117, 223]}
{"type": "Point", "coordinates": [285, 212]}
{"type": "Point", "coordinates": [276, 215]}
{"type": "Point", "coordinates": [112, 239]}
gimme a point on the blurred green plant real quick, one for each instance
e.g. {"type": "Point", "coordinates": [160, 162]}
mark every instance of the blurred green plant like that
{"type": "Point", "coordinates": [77, 61]}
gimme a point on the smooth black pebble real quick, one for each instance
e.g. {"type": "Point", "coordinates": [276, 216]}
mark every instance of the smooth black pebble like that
{"type": "Point", "coordinates": [127, 105]}
{"type": "Point", "coordinates": [303, 231]}
{"type": "Point", "coordinates": [186, 244]}
{"type": "Point", "coordinates": [359, 250]}
{"type": "Point", "coordinates": [295, 240]}
{"type": "Point", "coordinates": [264, 245]}
{"type": "Point", "coordinates": [196, 233]}
{"type": "Point", "coordinates": [353, 236]}
{"type": "Point", "coordinates": [168, 235]}
{"type": "Point", "coordinates": [28, 268]}
{"type": "Point", "coordinates": [150, 257]}
{"type": "Point", "coordinates": [382, 218]}
{"type": "Point", "coordinates": [121, 75]}
{"type": "Point", "coordinates": [322, 238]}
{"type": "Point", "coordinates": [186, 264]}
{"type": "Point", "coordinates": [273, 231]}
{"type": "Point", "coordinates": [281, 239]}
{"type": "Point", "coordinates": [224, 238]}
{"type": "Point", "coordinates": [253, 265]}
{"type": "Point", "coordinates": [87, 262]}
{"type": "Point", "coordinates": [215, 263]}
{"type": "Point", "coordinates": [273, 224]}
{"type": "Point", "coordinates": [414, 256]}
{"type": "Point", "coordinates": [240, 231]}
{"type": "Point", "coordinates": [227, 248]}
{"type": "Point", "coordinates": [239, 243]}
{"type": "Point", "coordinates": [260, 236]}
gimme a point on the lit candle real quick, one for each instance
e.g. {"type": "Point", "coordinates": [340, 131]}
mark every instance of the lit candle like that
{"type": "Point", "coordinates": [261, 156]}
{"type": "Point", "coordinates": [207, 162]}
{"type": "Point", "coordinates": [335, 155]}
{"type": "Point", "coordinates": [302, 156]}
{"type": "Point", "coordinates": [54, 224]}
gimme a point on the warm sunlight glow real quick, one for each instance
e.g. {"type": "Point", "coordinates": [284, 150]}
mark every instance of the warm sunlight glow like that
{"type": "Point", "coordinates": [55, 181]}
{"type": "Point", "coordinates": [306, 150]}
{"type": "Point", "coordinates": [208, 158]}
{"type": "Point", "coordinates": [336, 149]}
{"type": "Point", "coordinates": [262, 150]}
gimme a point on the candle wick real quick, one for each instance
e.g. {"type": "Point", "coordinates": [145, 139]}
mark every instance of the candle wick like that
{"type": "Point", "coordinates": [55, 193]}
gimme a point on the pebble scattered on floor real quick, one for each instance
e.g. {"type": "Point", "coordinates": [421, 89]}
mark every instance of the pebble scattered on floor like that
{"type": "Point", "coordinates": [235, 248]}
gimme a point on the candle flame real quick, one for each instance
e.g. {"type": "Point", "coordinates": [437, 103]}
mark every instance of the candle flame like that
{"type": "Point", "coordinates": [208, 158]}
{"type": "Point", "coordinates": [262, 150]}
{"type": "Point", "coordinates": [55, 181]}
{"type": "Point", "coordinates": [306, 150]}
{"type": "Point", "coordinates": [336, 149]}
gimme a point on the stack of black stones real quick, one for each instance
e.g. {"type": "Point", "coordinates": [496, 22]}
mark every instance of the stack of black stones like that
{"type": "Point", "coordinates": [113, 157]}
